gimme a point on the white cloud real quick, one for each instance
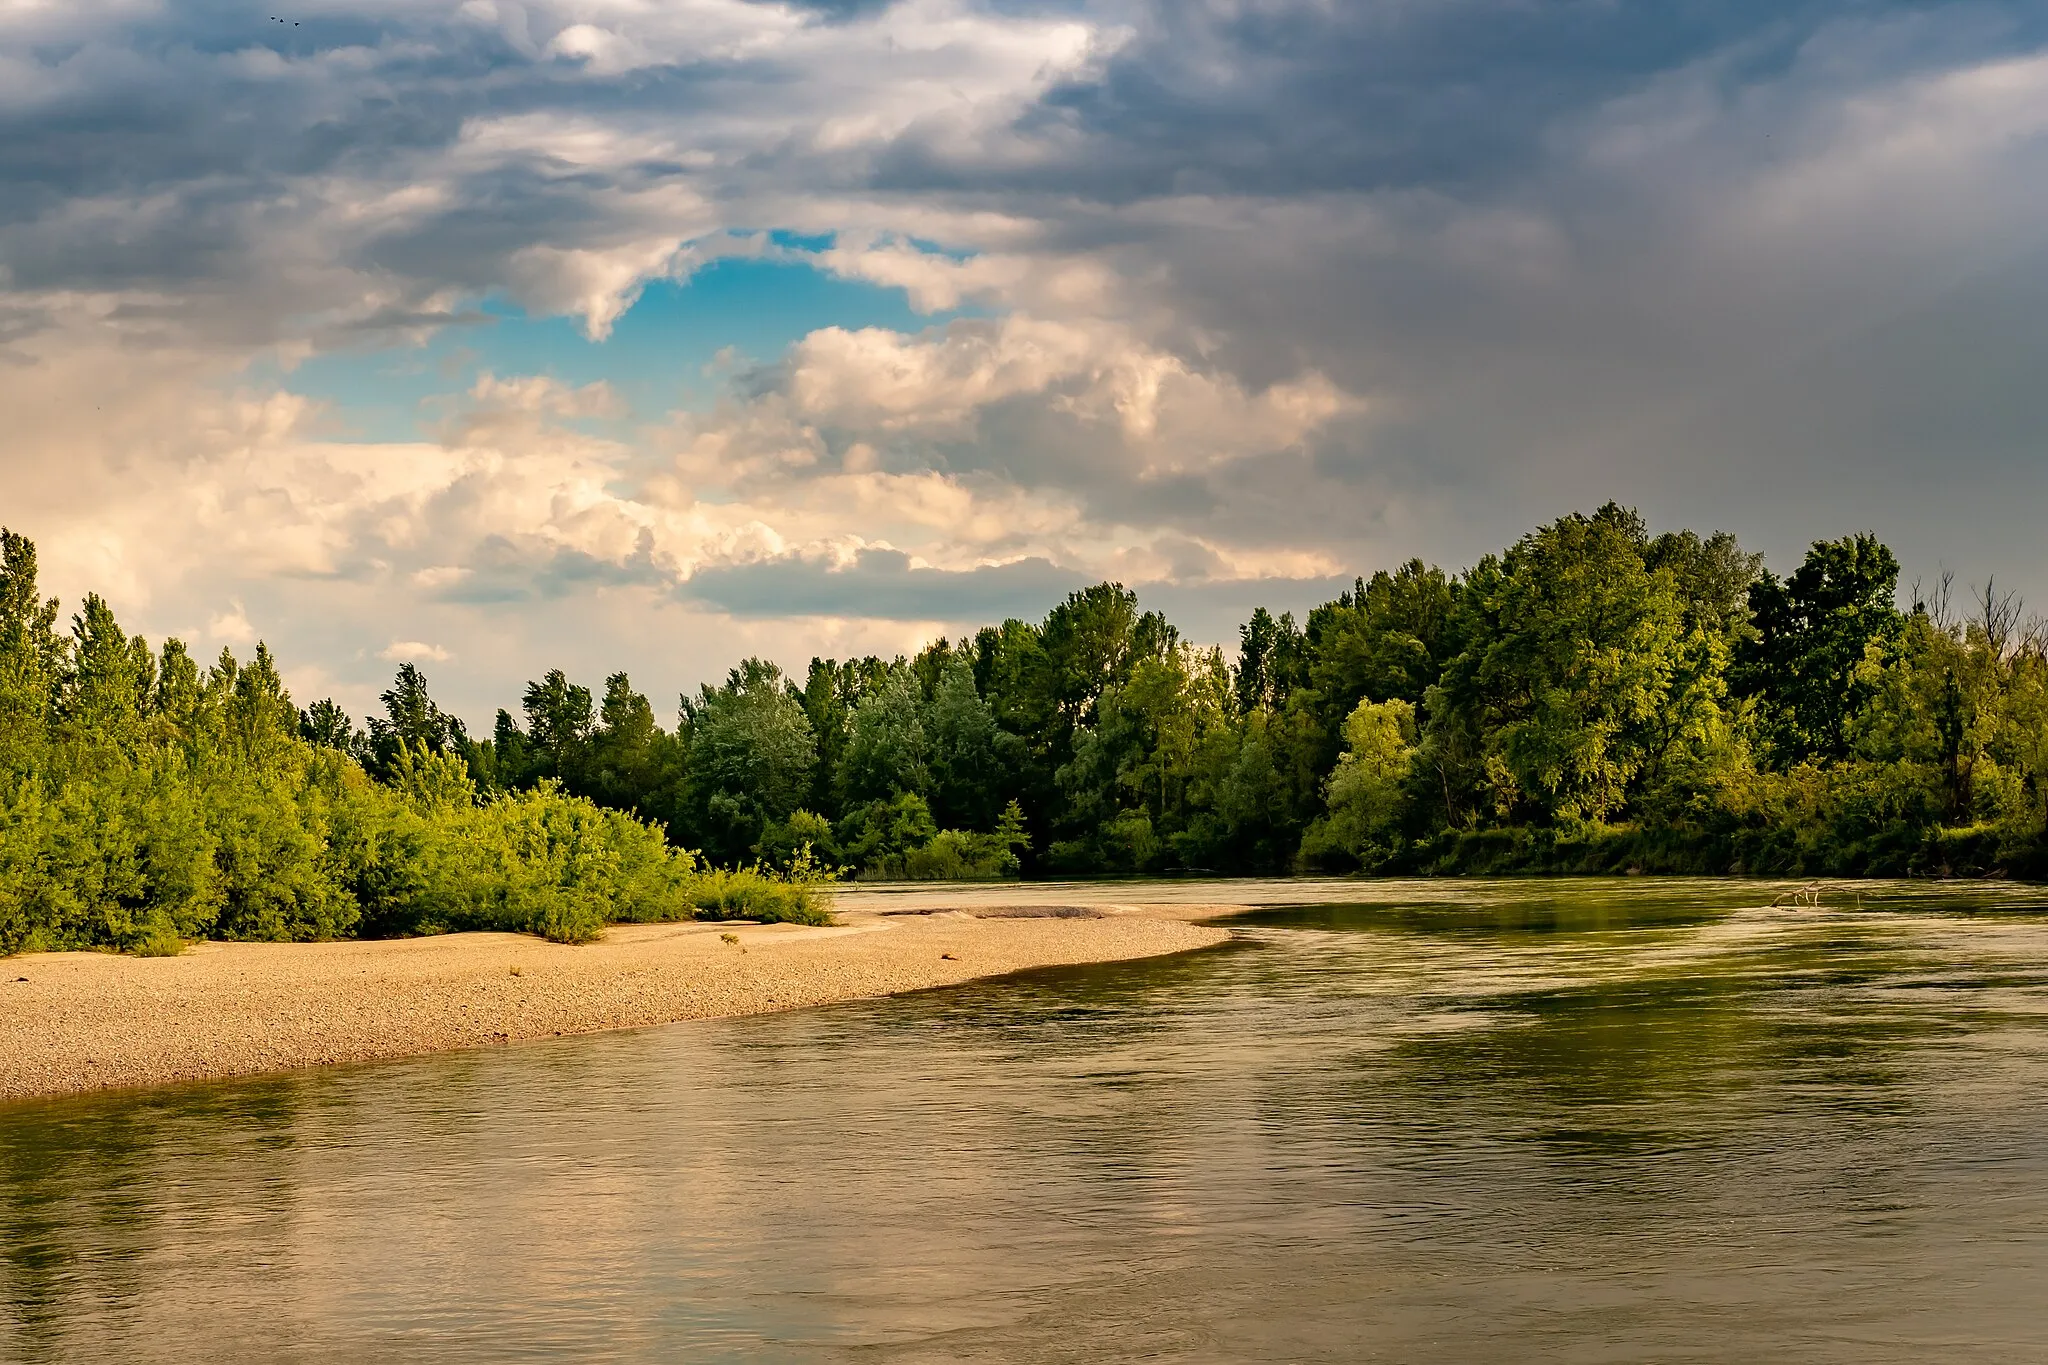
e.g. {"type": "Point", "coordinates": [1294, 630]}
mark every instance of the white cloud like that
{"type": "Point", "coordinates": [413, 651]}
{"type": "Point", "coordinates": [232, 627]}
{"type": "Point", "coordinates": [1247, 301]}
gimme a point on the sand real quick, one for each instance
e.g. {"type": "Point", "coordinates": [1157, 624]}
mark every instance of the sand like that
{"type": "Point", "coordinates": [72, 1022]}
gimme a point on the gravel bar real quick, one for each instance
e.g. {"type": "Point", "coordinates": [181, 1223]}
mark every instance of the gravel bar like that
{"type": "Point", "coordinates": [72, 1022]}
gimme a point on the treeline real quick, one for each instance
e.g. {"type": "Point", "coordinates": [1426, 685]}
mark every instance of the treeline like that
{"type": "Point", "coordinates": [146, 800]}
{"type": "Point", "coordinates": [1594, 698]}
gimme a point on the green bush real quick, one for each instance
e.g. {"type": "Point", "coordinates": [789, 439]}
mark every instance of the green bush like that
{"type": "Point", "coordinates": [805, 834]}
{"type": "Point", "coordinates": [139, 842]}
{"type": "Point", "coordinates": [750, 893]}
{"type": "Point", "coordinates": [954, 855]}
{"type": "Point", "coordinates": [159, 940]}
{"type": "Point", "coordinates": [896, 841]}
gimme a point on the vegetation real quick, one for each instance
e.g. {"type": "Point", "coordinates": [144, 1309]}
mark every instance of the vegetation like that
{"type": "Point", "coordinates": [145, 801]}
{"type": "Point", "coordinates": [1594, 698]}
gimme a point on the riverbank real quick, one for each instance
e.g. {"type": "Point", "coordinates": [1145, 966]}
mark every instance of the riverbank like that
{"type": "Point", "coordinates": [72, 1022]}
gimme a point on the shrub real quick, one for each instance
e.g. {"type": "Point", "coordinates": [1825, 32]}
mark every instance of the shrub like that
{"type": "Point", "coordinates": [958, 856]}
{"type": "Point", "coordinates": [160, 940]}
{"type": "Point", "coordinates": [750, 893]}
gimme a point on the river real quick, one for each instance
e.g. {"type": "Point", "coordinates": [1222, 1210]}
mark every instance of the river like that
{"type": "Point", "coordinates": [1446, 1121]}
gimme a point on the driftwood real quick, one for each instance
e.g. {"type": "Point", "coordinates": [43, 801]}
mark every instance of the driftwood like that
{"type": "Point", "coordinates": [1808, 896]}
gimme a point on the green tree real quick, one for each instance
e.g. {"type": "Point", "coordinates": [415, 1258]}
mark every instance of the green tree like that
{"type": "Point", "coordinates": [1244, 816]}
{"type": "Point", "coordinates": [886, 751]}
{"type": "Point", "coordinates": [411, 717]}
{"type": "Point", "coordinates": [1384, 640]}
{"type": "Point", "coordinates": [1713, 577]}
{"type": "Point", "coordinates": [1272, 661]}
{"type": "Point", "coordinates": [512, 762]}
{"type": "Point", "coordinates": [559, 721]}
{"type": "Point", "coordinates": [32, 654]}
{"type": "Point", "coordinates": [262, 723]}
{"type": "Point", "coordinates": [877, 836]}
{"type": "Point", "coordinates": [1014, 677]}
{"type": "Point", "coordinates": [1138, 774]}
{"type": "Point", "coordinates": [1814, 631]}
{"type": "Point", "coordinates": [974, 764]}
{"type": "Point", "coordinates": [327, 725]}
{"type": "Point", "coordinates": [107, 697]}
{"type": "Point", "coordinates": [751, 753]}
{"type": "Point", "coordinates": [1092, 640]}
{"type": "Point", "coordinates": [830, 692]}
{"type": "Point", "coordinates": [1570, 647]}
{"type": "Point", "coordinates": [631, 764]}
{"type": "Point", "coordinates": [1368, 790]}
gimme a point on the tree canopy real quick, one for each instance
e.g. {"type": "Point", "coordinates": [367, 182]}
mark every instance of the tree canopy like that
{"type": "Point", "coordinates": [1595, 696]}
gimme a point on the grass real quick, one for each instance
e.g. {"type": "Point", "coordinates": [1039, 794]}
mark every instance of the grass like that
{"type": "Point", "coordinates": [160, 941]}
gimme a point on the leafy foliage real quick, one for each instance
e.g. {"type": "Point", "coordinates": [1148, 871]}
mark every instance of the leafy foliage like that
{"type": "Point", "coordinates": [145, 802]}
{"type": "Point", "coordinates": [1595, 697]}
{"type": "Point", "coordinates": [1813, 632]}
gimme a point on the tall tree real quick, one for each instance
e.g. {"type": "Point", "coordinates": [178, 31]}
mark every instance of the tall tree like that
{"type": "Point", "coordinates": [751, 753]}
{"type": "Point", "coordinates": [1384, 640]}
{"type": "Point", "coordinates": [1092, 640]}
{"type": "Point", "coordinates": [886, 751]}
{"type": "Point", "coordinates": [1713, 577]}
{"type": "Point", "coordinates": [829, 695]}
{"type": "Point", "coordinates": [327, 725]}
{"type": "Point", "coordinates": [411, 719]}
{"type": "Point", "coordinates": [107, 697]}
{"type": "Point", "coordinates": [559, 721]}
{"type": "Point", "coordinates": [178, 694]}
{"type": "Point", "coordinates": [627, 729]}
{"type": "Point", "coordinates": [1815, 632]}
{"type": "Point", "coordinates": [32, 654]}
{"type": "Point", "coordinates": [975, 765]}
{"type": "Point", "coordinates": [1570, 646]}
{"type": "Point", "coordinates": [1271, 661]}
{"type": "Point", "coordinates": [262, 722]}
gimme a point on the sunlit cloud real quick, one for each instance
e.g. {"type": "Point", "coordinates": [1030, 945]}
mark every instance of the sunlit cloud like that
{"type": "Point", "coordinates": [413, 651]}
{"type": "Point", "coordinates": [1211, 295]}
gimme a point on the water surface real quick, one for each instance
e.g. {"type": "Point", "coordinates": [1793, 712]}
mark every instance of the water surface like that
{"type": "Point", "coordinates": [1644, 1120]}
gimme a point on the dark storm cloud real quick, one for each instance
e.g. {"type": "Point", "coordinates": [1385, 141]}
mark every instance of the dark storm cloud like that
{"type": "Point", "coordinates": [501, 572]}
{"type": "Point", "coordinates": [1664, 252]}
{"type": "Point", "coordinates": [1776, 267]}
{"type": "Point", "coordinates": [1292, 98]}
{"type": "Point", "coordinates": [206, 148]}
{"type": "Point", "coordinates": [882, 584]}
{"type": "Point", "coordinates": [1288, 99]}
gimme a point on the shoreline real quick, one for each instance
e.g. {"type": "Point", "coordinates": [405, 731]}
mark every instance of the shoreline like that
{"type": "Point", "coordinates": [79, 1022]}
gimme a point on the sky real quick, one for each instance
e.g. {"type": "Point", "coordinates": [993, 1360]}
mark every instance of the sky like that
{"type": "Point", "coordinates": [650, 334]}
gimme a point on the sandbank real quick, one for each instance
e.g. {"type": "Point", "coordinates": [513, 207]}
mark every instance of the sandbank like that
{"type": "Point", "coordinates": [72, 1022]}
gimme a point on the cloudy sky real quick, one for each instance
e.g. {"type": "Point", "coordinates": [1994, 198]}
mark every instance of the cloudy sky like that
{"type": "Point", "coordinates": [651, 333]}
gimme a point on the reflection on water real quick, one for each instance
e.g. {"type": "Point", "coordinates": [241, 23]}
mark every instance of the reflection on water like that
{"type": "Point", "coordinates": [1528, 1121]}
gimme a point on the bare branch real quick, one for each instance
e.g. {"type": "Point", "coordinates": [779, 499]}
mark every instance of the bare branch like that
{"type": "Point", "coordinates": [1998, 616]}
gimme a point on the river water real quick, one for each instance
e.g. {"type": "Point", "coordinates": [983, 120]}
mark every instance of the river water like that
{"type": "Point", "coordinates": [1573, 1121]}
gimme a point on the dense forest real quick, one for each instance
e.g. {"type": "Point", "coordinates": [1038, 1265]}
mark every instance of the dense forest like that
{"type": "Point", "coordinates": [1595, 698]}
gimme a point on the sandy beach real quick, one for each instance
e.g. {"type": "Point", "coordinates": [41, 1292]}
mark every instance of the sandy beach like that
{"type": "Point", "coordinates": [72, 1022]}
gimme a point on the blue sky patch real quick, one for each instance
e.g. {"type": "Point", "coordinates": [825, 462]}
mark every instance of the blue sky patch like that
{"type": "Point", "coordinates": [661, 355]}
